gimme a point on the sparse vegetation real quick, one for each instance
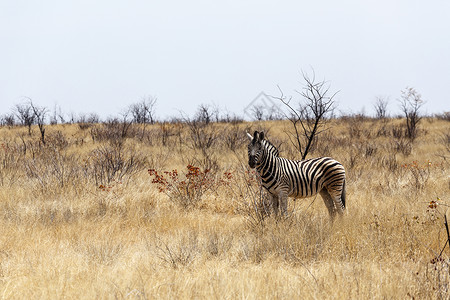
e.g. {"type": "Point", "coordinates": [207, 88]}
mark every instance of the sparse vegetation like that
{"type": "Point", "coordinates": [82, 217]}
{"type": "Point", "coordinates": [410, 104]}
{"type": "Point", "coordinates": [308, 120]}
{"type": "Point", "coordinates": [380, 107]}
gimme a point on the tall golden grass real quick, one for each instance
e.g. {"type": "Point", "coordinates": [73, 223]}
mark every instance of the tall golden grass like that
{"type": "Point", "coordinates": [81, 217]}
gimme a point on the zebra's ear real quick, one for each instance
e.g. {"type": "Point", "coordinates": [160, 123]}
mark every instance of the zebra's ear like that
{"type": "Point", "coordinates": [261, 135]}
{"type": "Point", "coordinates": [255, 135]}
{"type": "Point", "coordinates": [250, 136]}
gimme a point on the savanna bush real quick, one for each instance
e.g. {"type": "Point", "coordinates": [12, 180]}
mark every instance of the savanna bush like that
{"type": "Point", "coordinates": [113, 162]}
{"type": "Point", "coordinates": [188, 188]}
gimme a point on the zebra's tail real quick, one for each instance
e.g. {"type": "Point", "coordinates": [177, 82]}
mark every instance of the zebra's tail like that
{"type": "Point", "coordinates": [343, 194]}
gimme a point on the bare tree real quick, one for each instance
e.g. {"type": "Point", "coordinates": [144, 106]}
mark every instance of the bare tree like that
{"type": "Point", "coordinates": [410, 104]}
{"type": "Point", "coordinates": [258, 112]}
{"type": "Point", "coordinates": [309, 119]}
{"type": "Point", "coordinates": [93, 118]}
{"type": "Point", "coordinates": [123, 123]}
{"type": "Point", "coordinates": [216, 112]}
{"type": "Point", "coordinates": [61, 118]}
{"type": "Point", "coordinates": [380, 107]}
{"type": "Point", "coordinates": [205, 114]}
{"type": "Point", "coordinates": [266, 111]}
{"type": "Point", "coordinates": [54, 116]}
{"type": "Point", "coordinates": [115, 130]}
{"type": "Point", "coordinates": [40, 113]}
{"type": "Point", "coordinates": [72, 118]}
{"type": "Point", "coordinates": [229, 117]}
{"type": "Point", "coordinates": [203, 136]}
{"type": "Point", "coordinates": [273, 113]}
{"type": "Point", "coordinates": [25, 115]}
{"type": "Point", "coordinates": [57, 115]}
{"type": "Point", "coordinates": [143, 112]}
{"type": "Point", "coordinates": [8, 120]}
{"type": "Point", "coordinates": [86, 121]}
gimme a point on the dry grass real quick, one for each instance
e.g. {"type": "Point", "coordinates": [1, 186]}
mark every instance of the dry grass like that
{"type": "Point", "coordinates": [77, 222]}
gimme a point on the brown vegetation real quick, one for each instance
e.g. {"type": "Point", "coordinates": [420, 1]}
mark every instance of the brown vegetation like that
{"type": "Point", "coordinates": [85, 216]}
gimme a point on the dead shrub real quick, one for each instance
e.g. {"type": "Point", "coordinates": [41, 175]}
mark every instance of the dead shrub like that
{"type": "Point", "coordinates": [398, 132]}
{"type": "Point", "coordinates": [202, 135]}
{"type": "Point", "coordinates": [113, 163]}
{"type": "Point", "coordinates": [444, 116]}
{"type": "Point", "coordinates": [253, 201]}
{"type": "Point", "coordinates": [402, 146]}
{"type": "Point", "coordinates": [168, 134]}
{"type": "Point", "coordinates": [104, 252]}
{"type": "Point", "coordinates": [11, 158]}
{"type": "Point", "coordinates": [113, 131]}
{"type": "Point", "coordinates": [179, 253]}
{"type": "Point", "coordinates": [57, 139]}
{"type": "Point", "coordinates": [370, 150]}
{"type": "Point", "coordinates": [233, 137]}
{"type": "Point", "coordinates": [52, 167]}
{"type": "Point", "coordinates": [293, 240]}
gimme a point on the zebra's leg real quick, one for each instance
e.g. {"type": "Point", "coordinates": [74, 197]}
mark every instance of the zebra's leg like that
{"type": "Point", "coordinates": [339, 200]}
{"type": "Point", "coordinates": [283, 203]}
{"type": "Point", "coordinates": [275, 204]}
{"type": "Point", "coordinates": [337, 193]}
{"type": "Point", "coordinates": [329, 203]}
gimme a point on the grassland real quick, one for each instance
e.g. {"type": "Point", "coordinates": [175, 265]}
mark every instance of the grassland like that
{"type": "Point", "coordinates": [81, 217]}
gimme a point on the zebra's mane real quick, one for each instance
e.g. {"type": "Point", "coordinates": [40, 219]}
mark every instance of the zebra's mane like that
{"type": "Point", "coordinates": [271, 148]}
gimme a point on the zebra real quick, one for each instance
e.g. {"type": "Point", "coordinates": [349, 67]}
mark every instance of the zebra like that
{"type": "Point", "coordinates": [284, 178]}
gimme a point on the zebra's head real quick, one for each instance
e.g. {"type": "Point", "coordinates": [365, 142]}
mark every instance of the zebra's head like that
{"type": "Point", "coordinates": [255, 148]}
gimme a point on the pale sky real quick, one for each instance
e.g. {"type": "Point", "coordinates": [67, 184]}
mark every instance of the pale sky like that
{"type": "Point", "coordinates": [101, 56]}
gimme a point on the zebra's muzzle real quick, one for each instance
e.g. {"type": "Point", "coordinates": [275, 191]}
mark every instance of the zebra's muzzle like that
{"type": "Point", "coordinates": [252, 162]}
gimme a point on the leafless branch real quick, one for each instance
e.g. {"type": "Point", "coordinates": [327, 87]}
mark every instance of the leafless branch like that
{"type": "Point", "coordinates": [308, 121]}
{"type": "Point", "coordinates": [410, 103]}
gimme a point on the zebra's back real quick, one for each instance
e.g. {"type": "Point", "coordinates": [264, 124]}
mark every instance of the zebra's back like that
{"type": "Point", "coordinates": [308, 177]}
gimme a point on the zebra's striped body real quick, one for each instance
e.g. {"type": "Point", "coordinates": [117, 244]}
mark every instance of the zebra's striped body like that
{"type": "Point", "coordinates": [299, 179]}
